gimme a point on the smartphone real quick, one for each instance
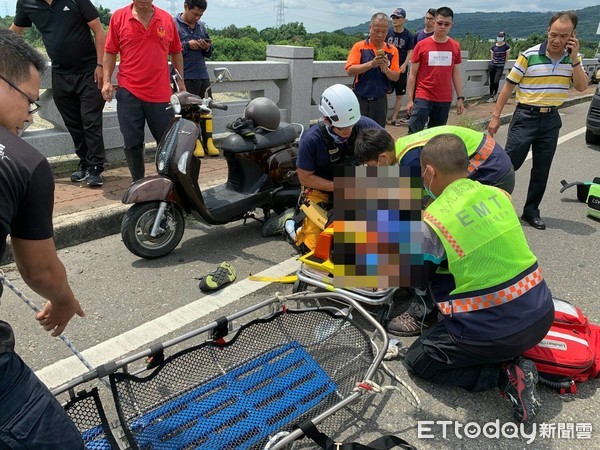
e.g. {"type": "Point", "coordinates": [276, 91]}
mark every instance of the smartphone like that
{"type": "Point", "coordinates": [381, 53]}
{"type": "Point", "coordinates": [569, 49]}
{"type": "Point", "coordinates": [208, 41]}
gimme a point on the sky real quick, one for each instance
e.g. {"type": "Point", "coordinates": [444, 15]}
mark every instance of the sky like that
{"type": "Point", "coordinates": [320, 15]}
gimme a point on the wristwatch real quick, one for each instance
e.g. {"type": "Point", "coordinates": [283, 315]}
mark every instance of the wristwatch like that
{"type": "Point", "coordinates": [460, 98]}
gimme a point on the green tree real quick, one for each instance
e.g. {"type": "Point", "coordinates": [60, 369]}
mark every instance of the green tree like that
{"type": "Point", "coordinates": [105, 15]}
{"type": "Point", "coordinates": [242, 49]}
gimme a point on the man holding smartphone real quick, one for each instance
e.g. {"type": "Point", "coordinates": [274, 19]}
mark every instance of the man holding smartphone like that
{"type": "Point", "coordinates": [197, 46]}
{"type": "Point", "coordinates": [542, 75]}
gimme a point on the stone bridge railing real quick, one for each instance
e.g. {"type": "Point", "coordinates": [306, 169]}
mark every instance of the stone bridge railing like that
{"type": "Point", "coordinates": [289, 76]}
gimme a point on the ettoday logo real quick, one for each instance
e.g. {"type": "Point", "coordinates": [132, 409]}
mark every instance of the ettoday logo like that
{"type": "Point", "coordinates": [429, 429]}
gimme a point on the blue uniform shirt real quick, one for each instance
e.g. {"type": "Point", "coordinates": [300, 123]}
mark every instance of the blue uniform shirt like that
{"type": "Point", "coordinates": [194, 64]}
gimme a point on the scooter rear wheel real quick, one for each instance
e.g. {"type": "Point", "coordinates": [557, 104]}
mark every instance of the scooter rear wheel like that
{"type": "Point", "coordinates": [137, 225]}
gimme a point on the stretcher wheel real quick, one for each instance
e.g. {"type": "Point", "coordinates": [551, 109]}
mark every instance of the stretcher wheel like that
{"type": "Point", "coordinates": [299, 286]}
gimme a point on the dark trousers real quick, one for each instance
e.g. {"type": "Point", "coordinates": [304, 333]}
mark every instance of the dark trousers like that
{"type": "Point", "coordinates": [540, 132]}
{"type": "Point", "coordinates": [425, 110]}
{"type": "Point", "coordinates": [133, 113]}
{"type": "Point", "coordinates": [80, 104]}
{"type": "Point", "coordinates": [374, 108]}
{"type": "Point", "coordinates": [435, 356]}
{"type": "Point", "coordinates": [495, 75]}
{"type": "Point", "coordinates": [197, 87]}
{"type": "Point", "coordinates": [30, 416]}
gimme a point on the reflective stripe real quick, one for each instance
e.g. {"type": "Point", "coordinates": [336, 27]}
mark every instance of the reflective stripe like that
{"type": "Point", "coordinates": [492, 299]}
{"type": "Point", "coordinates": [459, 251]}
{"type": "Point", "coordinates": [483, 154]}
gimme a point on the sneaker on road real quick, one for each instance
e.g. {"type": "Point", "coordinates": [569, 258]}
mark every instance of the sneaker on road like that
{"type": "Point", "coordinates": [490, 100]}
{"type": "Point", "coordinates": [94, 177]}
{"type": "Point", "coordinates": [224, 274]}
{"type": "Point", "coordinates": [80, 174]}
{"type": "Point", "coordinates": [518, 381]}
{"type": "Point", "coordinates": [407, 325]}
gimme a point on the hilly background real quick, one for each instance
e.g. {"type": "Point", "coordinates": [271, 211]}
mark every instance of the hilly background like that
{"type": "Point", "coordinates": [515, 24]}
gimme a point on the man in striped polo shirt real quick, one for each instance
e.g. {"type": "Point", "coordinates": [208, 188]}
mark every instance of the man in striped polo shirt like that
{"type": "Point", "coordinates": [542, 75]}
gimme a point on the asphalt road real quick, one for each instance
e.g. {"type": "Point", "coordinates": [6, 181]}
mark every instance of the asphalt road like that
{"type": "Point", "coordinates": [120, 293]}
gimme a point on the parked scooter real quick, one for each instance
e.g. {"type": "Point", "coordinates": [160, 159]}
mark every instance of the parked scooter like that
{"type": "Point", "coordinates": [261, 175]}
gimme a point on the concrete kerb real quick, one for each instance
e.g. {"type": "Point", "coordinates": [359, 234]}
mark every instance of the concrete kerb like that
{"type": "Point", "coordinates": [506, 118]}
{"type": "Point", "coordinates": [85, 226]}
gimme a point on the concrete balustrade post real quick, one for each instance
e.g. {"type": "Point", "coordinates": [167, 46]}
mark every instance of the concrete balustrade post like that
{"type": "Point", "coordinates": [295, 91]}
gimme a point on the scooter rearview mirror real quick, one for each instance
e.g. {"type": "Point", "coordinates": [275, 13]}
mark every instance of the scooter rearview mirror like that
{"type": "Point", "coordinates": [222, 73]}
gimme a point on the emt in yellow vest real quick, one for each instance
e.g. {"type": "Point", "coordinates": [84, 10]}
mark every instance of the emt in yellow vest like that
{"type": "Point", "coordinates": [488, 162]}
{"type": "Point", "coordinates": [499, 305]}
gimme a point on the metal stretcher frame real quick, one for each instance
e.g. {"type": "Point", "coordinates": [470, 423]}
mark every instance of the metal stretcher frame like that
{"type": "Point", "coordinates": [323, 280]}
{"type": "Point", "coordinates": [330, 316]}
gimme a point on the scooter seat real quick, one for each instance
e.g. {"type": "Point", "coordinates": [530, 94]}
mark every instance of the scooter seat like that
{"type": "Point", "coordinates": [261, 140]}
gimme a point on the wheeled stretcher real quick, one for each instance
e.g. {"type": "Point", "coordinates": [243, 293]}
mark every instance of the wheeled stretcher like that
{"type": "Point", "coordinates": [293, 359]}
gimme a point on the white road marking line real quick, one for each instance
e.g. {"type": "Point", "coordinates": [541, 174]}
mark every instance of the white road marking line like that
{"type": "Point", "coordinates": [67, 369]}
{"type": "Point", "coordinates": [563, 139]}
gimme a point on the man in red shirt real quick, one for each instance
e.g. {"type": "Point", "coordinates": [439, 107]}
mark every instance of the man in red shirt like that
{"type": "Point", "coordinates": [435, 67]}
{"type": "Point", "coordinates": [145, 36]}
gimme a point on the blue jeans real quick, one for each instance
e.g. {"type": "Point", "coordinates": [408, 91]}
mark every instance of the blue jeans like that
{"type": "Point", "coordinates": [540, 132]}
{"type": "Point", "coordinates": [424, 110]}
{"type": "Point", "coordinates": [30, 416]}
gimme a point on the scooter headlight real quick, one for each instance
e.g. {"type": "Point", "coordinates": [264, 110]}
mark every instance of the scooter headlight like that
{"type": "Point", "coordinates": [176, 104]}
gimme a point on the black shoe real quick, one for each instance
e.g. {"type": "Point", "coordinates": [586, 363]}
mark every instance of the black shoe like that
{"type": "Point", "coordinates": [80, 174]}
{"type": "Point", "coordinates": [94, 177]}
{"type": "Point", "coordinates": [535, 222]}
{"type": "Point", "coordinates": [518, 381]}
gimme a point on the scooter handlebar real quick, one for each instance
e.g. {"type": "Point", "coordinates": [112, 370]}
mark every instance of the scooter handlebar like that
{"type": "Point", "coordinates": [216, 105]}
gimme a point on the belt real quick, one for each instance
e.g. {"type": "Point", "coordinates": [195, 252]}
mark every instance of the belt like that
{"type": "Point", "coordinates": [540, 109]}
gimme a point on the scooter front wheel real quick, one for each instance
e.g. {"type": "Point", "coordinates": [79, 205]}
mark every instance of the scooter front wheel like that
{"type": "Point", "coordinates": [137, 226]}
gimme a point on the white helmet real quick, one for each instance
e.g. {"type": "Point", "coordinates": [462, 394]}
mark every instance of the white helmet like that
{"type": "Point", "coordinates": [340, 106]}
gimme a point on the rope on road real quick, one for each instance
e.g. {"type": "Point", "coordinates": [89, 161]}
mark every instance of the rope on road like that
{"type": "Point", "coordinates": [371, 387]}
{"type": "Point", "coordinates": [66, 340]}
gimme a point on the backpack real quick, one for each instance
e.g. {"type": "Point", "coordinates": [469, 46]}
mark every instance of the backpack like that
{"type": "Point", "coordinates": [593, 201]}
{"type": "Point", "coordinates": [570, 352]}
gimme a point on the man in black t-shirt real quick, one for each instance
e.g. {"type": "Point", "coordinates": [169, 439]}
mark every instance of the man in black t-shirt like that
{"type": "Point", "coordinates": [77, 74]}
{"type": "Point", "coordinates": [404, 41]}
{"type": "Point", "coordinates": [30, 416]}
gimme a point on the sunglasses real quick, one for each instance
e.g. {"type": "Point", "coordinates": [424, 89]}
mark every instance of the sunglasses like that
{"type": "Point", "coordinates": [33, 105]}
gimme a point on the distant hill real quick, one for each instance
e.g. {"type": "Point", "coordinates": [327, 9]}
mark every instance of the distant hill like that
{"type": "Point", "coordinates": [516, 24]}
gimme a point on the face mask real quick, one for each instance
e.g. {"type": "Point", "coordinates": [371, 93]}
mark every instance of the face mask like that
{"type": "Point", "coordinates": [500, 39]}
{"type": "Point", "coordinates": [428, 189]}
{"type": "Point", "coordinates": [337, 139]}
